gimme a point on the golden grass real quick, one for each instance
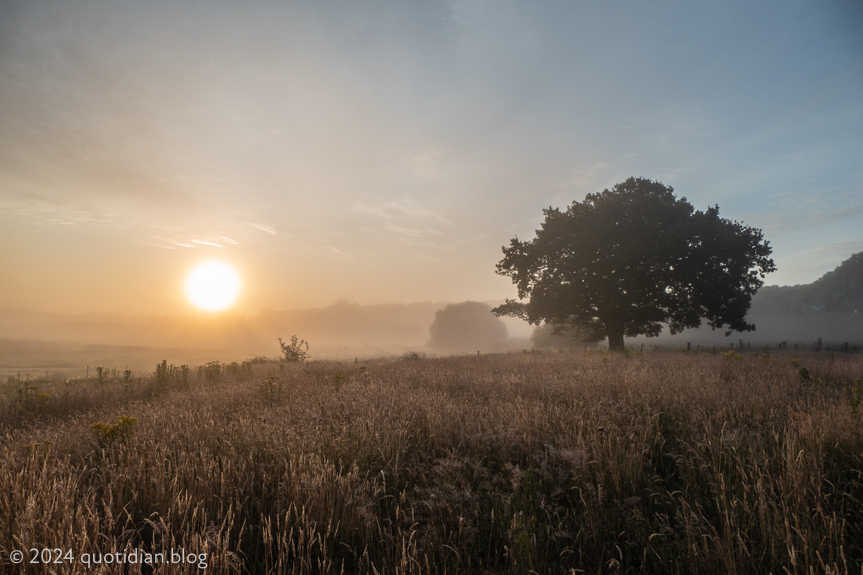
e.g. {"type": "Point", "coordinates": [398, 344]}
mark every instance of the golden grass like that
{"type": "Point", "coordinates": [555, 463]}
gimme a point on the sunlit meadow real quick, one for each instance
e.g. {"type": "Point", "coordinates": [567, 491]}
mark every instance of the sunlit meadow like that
{"type": "Point", "coordinates": [654, 462]}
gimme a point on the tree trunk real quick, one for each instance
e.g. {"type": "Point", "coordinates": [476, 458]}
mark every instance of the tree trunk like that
{"type": "Point", "coordinates": [615, 337]}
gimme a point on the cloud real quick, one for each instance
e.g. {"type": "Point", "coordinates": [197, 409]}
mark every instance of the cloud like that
{"type": "Point", "coordinates": [36, 206]}
{"type": "Point", "coordinates": [424, 164]}
{"type": "Point", "coordinates": [409, 232]}
{"type": "Point", "coordinates": [458, 245]}
{"type": "Point", "coordinates": [336, 250]}
{"type": "Point", "coordinates": [784, 224]}
{"type": "Point", "coordinates": [839, 250]}
{"type": "Point", "coordinates": [411, 207]}
{"type": "Point", "coordinates": [375, 211]}
{"type": "Point", "coordinates": [586, 176]}
{"type": "Point", "coordinates": [205, 243]}
{"type": "Point", "coordinates": [401, 209]}
{"type": "Point", "coordinates": [264, 228]}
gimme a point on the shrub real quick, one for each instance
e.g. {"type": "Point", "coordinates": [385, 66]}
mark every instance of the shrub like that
{"type": "Point", "coordinates": [107, 434]}
{"type": "Point", "coordinates": [296, 351]}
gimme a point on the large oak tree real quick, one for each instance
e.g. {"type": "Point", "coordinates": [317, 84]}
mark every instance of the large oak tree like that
{"type": "Point", "coordinates": [625, 261]}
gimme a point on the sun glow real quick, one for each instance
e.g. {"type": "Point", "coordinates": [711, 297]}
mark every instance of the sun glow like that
{"type": "Point", "coordinates": [213, 286]}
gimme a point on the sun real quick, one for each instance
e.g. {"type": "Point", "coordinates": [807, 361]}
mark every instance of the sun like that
{"type": "Point", "coordinates": [212, 286]}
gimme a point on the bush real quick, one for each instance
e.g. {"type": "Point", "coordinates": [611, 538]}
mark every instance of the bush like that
{"type": "Point", "coordinates": [107, 434]}
{"type": "Point", "coordinates": [296, 351]}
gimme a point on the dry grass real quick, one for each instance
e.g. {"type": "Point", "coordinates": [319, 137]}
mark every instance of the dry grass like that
{"type": "Point", "coordinates": [556, 463]}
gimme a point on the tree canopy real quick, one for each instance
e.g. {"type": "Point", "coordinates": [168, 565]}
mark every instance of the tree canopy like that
{"type": "Point", "coordinates": [625, 261]}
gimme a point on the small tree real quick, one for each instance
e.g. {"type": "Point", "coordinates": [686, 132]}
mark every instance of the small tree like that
{"type": "Point", "coordinates": [296, 351]}
{"type": "Point", "coordinates": [625, 261]}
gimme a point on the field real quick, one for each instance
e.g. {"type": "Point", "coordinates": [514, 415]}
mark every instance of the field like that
{"type": "Point", "coordinates": [661, 462]}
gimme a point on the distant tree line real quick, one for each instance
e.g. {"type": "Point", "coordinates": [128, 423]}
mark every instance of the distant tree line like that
{"type": "Point", "coordinates": [467, 326]}
{"type": "Point", "coordinates": [840, 290]}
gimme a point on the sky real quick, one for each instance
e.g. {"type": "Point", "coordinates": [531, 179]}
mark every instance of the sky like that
{"type": "Point", "coordinates": [384, 151]}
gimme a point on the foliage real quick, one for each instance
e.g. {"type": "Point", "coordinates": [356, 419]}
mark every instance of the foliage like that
{"type": "Point", "coordinates": [467, 326]}
{"type": "Point", "coordinates": [271, 387]}
{"type": "Point", "coordinates": [107, 434]}
{"type": "Point", "coordinates": [296, 351]}
{"type": "Point", "coordinates": [626, 261]}
{"type": "Point", "coordinates": [212, 371]}
{"type": "Point", "coordinates": [166, 374]}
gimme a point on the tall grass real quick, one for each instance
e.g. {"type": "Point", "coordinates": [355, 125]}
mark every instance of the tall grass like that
{"type": "Point", "coordinates": [555, 463]}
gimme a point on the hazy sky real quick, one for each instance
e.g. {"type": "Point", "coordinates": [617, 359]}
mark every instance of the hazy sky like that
{"type": "Point", "coordinates": [385, 151]}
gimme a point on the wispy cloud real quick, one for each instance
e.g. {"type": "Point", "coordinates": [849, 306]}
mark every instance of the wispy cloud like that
{"type": "Point", "coordinates": [410, 241]}
{"type": "Point", "coordinates": [373, 210]}
{"type": "Point", "coordinates": [206, 243]}
{"type": "Point", "coordinates": [411, 232]}
{"type": "Point", "coordinates": [170, 243]}
{"type": "Point", "coordinates": [459, 245]}
{"type": "Point", "coordinates": [780, 224]}
{"type": "Point", "coordinates": [587, 176]}
{"type": "Point", "coordinates": [264, 228]}
{"type": "Point", "coordinates": [839, 250]}
{"type": "Point", "coordinates": [425, 164]}
{"type": "Point", "coordinates": [46, 210]}
{"type": "Point", "coordinates": [411, 207]}
{"type": "Point", "coordinates": [400, 209]}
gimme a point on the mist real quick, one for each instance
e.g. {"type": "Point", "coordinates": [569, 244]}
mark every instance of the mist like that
{"type": "Point", "coordinates": [36, 342]}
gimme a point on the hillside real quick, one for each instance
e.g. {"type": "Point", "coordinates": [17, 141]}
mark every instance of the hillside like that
{"type": "Point", "coordinates": [839, 291]}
